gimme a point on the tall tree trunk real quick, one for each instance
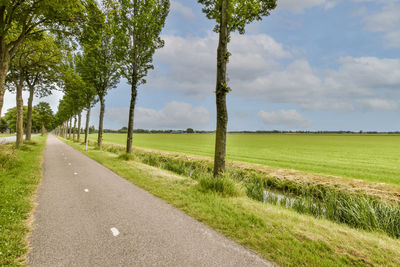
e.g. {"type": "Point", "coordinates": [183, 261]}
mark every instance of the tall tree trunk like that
{"type": "Point", "coordinates": [87, 128]}
{"type": "Point", "coordinates": [4, 65]}
{"type": "Point", "coordinates": [29, 115]}
{"type": "Point", "coordinates": [79, 126]}
{"type": "Point", "coordinates": [101, 118]}
{"type": "Point", "coordinates": [74, 129]}
{"type": "Point", "coordinates": [20, 113]}
{"type": "Point", "coordinates": [131, 116]}
{"type": "Point", "coordinates": [70, 128]}
{"type": "Point", "coordinates": [65, 129]}
{"type": "Point", "coordinates": [221, 91]}
{"type": "Point", "coordinates": [43, 129]}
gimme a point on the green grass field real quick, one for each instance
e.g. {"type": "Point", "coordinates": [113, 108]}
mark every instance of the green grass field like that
{"type": "Point", "coordinates": [20, 174]}
{"type": "Point", "coordinates": [6, 135]}
{"type": "Point", "coordinates": [374, 158]}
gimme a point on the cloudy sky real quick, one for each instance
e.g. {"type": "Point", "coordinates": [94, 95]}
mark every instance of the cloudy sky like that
{"type": "Point", "coordinates": [311, 65]}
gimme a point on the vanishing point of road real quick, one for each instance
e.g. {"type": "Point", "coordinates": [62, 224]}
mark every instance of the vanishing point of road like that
{"type": "Point", "coordinates": [89, 216]}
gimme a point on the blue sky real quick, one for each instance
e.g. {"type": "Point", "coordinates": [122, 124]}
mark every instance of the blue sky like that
{"type": "Point", "coordinates": [310, 65]}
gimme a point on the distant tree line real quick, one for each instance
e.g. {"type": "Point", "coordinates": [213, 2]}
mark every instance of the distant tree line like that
{"type": "Point", "coordinates": [124, 130]}
{"type": "Point", "coordinates": [315, 132]}
{"type": "Point", "coordinates": [40, 120]}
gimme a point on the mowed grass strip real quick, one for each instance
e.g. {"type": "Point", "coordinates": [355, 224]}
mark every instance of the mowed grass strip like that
{"type": "Point", "coordinates": [6, 135]}
{"type": "Point", "coordinates": [369, 157]}
{"type": "Point", "coordinates": [278, 234]}
{"type": "Point", "coordinates": [20, 174]}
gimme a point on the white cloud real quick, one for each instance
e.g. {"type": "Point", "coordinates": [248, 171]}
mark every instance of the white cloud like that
{"type": "Point", "coordinates": [378, 104]}
{"type": "Point", "coordinates": [296, 84]}
{"type": "Point", "coordinates": [255, 71]}
{"type": "Point", "coordinates": [174, 115]}
{"type": "Point", "coordinates": [192, 61]}
{"type": "Point", "coordinates": [357, 84]}
{"type": "Point", "coordinates": [286, 118]}
{"type": "Point", "coordinates": [385, 21]}
{"type": "Point", "coordinates": [184, 10]}
{"type": "Point", "coordinates": [297, 6]}
{"type": "Point", "coordinates": [367, 73]}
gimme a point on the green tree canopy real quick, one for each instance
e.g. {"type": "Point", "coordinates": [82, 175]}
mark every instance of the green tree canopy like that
{"type": "Point", "coordinates": [99, 62]}
{"type": "Point", "coordinates": [11, 118]}
{"type": "Point", "coordinates": [3, 125]}
{"type": "Point", "coordinates": [44, 115]}
{"type": "Point", "coordinates": [35, 67]}
{"type": "Point", "coordinates": [137, 25]}
{"type": "Point", "coordinates": [239, 12]}
{"type": "Point", "coordinates": [21, 20]}
{"type": "Point", "coordinates": [230, 16]}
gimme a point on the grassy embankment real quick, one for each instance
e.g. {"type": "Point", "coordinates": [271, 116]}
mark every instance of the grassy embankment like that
{"type": "Point", "coordinates": [369, 157]}
{"type": "Point", "coordinates": [279, 234]}
{"type": "Point", "coordinates": [20, 174]}
{"type": "Point", "coordinates": [6, 135]}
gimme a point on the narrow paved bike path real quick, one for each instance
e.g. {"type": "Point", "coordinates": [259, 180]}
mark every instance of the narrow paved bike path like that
{"type": "Point", "coordinates": [89, 216]}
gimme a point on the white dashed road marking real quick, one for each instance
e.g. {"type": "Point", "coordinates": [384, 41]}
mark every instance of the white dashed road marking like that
{"type": "Point", "coordinates": [75, 173]}
{"type": "Point", "coordinates": [114, 231]}
{"type": "Point", "coordinates": [86, 190]}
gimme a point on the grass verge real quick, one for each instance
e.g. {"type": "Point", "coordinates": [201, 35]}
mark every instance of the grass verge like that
{"type": "Point", "coordinates": [280, 235]}
{"type": "Point", "coordinates": [6, 135]}
{"type": "Point", "coordinates": [357, 209]}
{"type": "Point", "coordinates": [371, 158]}
{"type": "Point", "coordinates": [20, 174]}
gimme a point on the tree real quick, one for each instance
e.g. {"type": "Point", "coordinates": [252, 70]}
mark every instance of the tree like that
{"type": "Point", "coordinates": [45, 115]}
{"type": "Point", "coordinates": [16, 82]}
{"type": "Point", "coordinates": [42, 73]}
{"type": "Point", "coordinates": [3, 125]}
{"type": "Point", "coordinates": [92, 129]}
{"type": "Point", "coordinates": [137, 24]}
{"type": "Point", "coordinates": [34, 66]}
{"type": "Point", "coordinates": [11, 118]}
{"type": "Point", "coordinates": [88, 90]}
{"type": "Point", "coordinates": [79, 94]}
{"type": "Point", "coordinates": [20, 20]}
{"type": "Point", "coordinates": [230, 16]}
{"type": "Point", "coordinates": [189, 130]}
{"type": "Point", "coordinates": [100, 67]}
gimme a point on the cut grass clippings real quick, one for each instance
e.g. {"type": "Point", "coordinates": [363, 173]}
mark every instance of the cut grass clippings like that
{"type": "Point", "coordinates": [280, 235]}
{"type": "Point", "coordinates": [20, 174]}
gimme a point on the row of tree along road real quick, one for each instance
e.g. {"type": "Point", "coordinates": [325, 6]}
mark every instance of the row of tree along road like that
{"type": "Point", "coordinates": [84, 47]}
{"type": "Point", "coordinates": [41, 119]}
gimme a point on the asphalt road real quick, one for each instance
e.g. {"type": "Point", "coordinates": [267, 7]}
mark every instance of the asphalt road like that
{"type": "Point", "coordinates": [89, 216]}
